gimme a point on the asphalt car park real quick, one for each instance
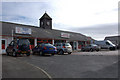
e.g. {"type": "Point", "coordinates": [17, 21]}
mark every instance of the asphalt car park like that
{"type": "Point", "coordinates": [102, 64]}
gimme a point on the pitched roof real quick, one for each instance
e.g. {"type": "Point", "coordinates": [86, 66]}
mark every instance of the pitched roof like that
{"type": "Point", "coordinates": [46, 16]}
{"type": "Point", "coordinates": [38, 32]}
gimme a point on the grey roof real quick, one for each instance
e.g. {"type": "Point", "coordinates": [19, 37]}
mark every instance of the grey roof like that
{"type": "Point", "coordinates": [112, 37]}
{"type": "Point", "coordinates": [46, 16]}
{"type": "Point", "coordinates": [38, 32]}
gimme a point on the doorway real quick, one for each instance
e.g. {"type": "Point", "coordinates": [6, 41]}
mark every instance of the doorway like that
{"type": "Point", "coordinates": [3, 45]}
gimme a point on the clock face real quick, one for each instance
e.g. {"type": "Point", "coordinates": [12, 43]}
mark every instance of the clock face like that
{"type": "Point", "coordinates": [48, 23]}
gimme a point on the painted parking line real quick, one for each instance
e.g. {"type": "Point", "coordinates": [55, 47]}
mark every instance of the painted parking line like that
{"type": "Point", "coordinates": [38, 68]}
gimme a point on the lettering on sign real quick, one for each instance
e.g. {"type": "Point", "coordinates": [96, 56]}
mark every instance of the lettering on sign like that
{"type": "Point", "coordinates": [21, 30]}
{"type": "Point", "coordinates": [65, 35]}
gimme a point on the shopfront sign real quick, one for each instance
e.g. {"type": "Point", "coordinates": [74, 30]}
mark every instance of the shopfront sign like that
{"type": "Point", "coordinates": [65, 35]}
{"type": "Point", "coordinates": [21, 30]}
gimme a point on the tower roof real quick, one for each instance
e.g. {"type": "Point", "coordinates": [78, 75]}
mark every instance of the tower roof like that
{"type": "Point", "coordinates": [46, 16]}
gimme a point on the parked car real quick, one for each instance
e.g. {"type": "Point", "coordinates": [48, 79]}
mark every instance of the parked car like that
{"type": "Point", "coordinates": [91, 47]}
{"type": "Point", "coordinates": [63, 48]}
{"type": "Point", "coordinates": [19, 46]}
{"type": "Point", "coordinates": [44, 48]}
{"type": "Point", "coordinates": [106, 44]}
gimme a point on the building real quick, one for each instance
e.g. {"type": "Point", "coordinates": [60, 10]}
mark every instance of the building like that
{"type": "Point", "coordinates": [114, 39]}
{"type": "Point", "coordinates": [43, 33]}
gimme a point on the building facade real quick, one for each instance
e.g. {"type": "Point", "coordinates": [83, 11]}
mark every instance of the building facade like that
{"type": "Point", "coordinates": [42, 34]}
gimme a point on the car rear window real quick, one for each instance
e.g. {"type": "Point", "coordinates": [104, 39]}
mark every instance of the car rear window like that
{"type": "Point", "coordinates": [23, 41]}
{"type": "Point", "coordinates": [48, 44]}
{"type": "Point", "coordinates": [93, 45]}
{"type": "Point", "coordinates": [66, 44]}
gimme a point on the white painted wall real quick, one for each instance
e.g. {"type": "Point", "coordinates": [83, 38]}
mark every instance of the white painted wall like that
{"type": "Point", "coordinates": [53, 41]}
{"type": "Point", "coordinates": [35, 40]}
{"type": "Point", "coordinates": [7, 41]}
{"type": "Point", "coordinates": [0, 46]}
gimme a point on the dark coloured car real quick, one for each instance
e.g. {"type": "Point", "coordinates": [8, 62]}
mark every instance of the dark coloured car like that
{"type": "Point", "coordinates": [91, 47]}
{"type": "Point", "coordinates": [44, 48]}
{"type": "Point", "coordinates": [63, 48]}
{"type": "Point", "coordinates": [18, 47]}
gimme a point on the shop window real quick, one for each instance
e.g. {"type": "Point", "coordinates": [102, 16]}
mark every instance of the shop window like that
{"type": "Point", "coordinates": [80, 44]}
{"type": "Point", "coordinates": [3, 44]}
{"type": "Point", "coordinates": [44, 40]}
{"type": "Point", "coordinates": [60, 41]}
{"type": "Point", "coordinates": [39, 41]}
{"type": "Point", "coordinates": [50, 41]}
{"type": "Point", "coordinates": [32, 42]}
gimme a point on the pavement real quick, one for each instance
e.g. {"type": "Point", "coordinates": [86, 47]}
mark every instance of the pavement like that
{"type": "Point", "coordinates": [103, 64]}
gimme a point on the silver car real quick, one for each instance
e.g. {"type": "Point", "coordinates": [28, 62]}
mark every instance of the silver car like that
{"type": "Point", "coordinates": [91, 47]}
{"type": "Point", "coordinates": [63, 48]}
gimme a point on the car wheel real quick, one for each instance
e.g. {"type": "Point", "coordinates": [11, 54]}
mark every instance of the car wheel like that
{"type": "Point", "coordinates": [61, 52]}
{"type": "Point", "coordinates": [91, 50]}
{"type": "Point", "coordinates": [52, 54]}
{"type": "Point", "coordinates": [28, 54]}
{"type": "Point", "coordinates": [33, 53]}
{"type": "Point", "coordinates": [97, 50]}
{"type": "Point", "coordinates": [7, 54]}
{"type": "Point", "coordinates": [69, 52]}
{"type": "Point", "coordinates": [83, 50]}
{"type": "Point", "coordinates": [41, 53]}
{"type": "Point", "coordinates": [14, 54]}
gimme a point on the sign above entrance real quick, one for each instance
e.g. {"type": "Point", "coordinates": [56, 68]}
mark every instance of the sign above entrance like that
{"type": "Point", "coordinates": [65, 35]}
{"type": "Point", "coordinates": [21, 30]}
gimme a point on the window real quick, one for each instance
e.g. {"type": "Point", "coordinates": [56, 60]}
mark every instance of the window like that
{"type": "Point", "coordinates": [23, 41]}
{"type": "Point", "coordinates": [48, 23]}
{"type": "Point", "coordinates": [58, 44]}
{"type": "Point", "coordinates": [3, 41]}
{"type": "Point", "coordinates": [3, 44]}
{"type": "Point", "coordinates": [66, 44]}
{"type": "Point", "coordinates": [107, 43]}
{"type": "Point", "coordinates": [41, 23]}
{"type": "Point", "coordinates": [50, 41]}
{"type": "Point", "coordinates": [12, 43]}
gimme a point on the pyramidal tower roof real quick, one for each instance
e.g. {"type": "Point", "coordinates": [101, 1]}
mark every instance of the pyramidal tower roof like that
{"type": "Point", "coordinates": [45, 16]}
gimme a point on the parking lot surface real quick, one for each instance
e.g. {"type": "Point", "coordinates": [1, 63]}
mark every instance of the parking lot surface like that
{"type": "Point", "coordinates": [103, 64]}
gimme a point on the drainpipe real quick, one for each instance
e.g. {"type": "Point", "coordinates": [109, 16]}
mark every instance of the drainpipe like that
{"type": "Point", "coordinates": [53, 41]}
{"type": "Point", "coordinates": [12, 34]}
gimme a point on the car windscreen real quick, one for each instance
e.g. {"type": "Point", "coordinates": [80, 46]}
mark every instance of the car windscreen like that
{"type": "Point", "coordinates": [23, 42]}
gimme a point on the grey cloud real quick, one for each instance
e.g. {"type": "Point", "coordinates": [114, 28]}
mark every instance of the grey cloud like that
{"type": "Point", "coordinates": [28, 9]}
{"type": "Point", "coordinates": [98, 31]}
{"type": "Point", "coordinates": [20, 19]}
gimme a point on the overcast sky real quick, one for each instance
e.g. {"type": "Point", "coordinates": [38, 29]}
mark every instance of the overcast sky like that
{"type": "Point", "coordinates": [94, 18]}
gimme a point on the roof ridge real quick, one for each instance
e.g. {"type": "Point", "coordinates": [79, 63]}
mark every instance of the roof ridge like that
{"type": "Point", "coordinates": [45, 15]}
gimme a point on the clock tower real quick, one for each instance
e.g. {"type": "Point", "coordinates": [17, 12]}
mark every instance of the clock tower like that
{"type": "Point", "coordinates": [46, 21]}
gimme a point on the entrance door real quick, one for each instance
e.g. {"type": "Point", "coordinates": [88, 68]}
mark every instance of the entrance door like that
{"type": "Point", "coordinates": [75, 45]}
{"type": "Point", "coordinates": [3, 45]}
{"type": "Point", "coordinates": [71, 43]}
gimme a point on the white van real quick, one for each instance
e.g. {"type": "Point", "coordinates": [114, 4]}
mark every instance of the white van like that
{"type": "Point", "coordinates": [106, 44]}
